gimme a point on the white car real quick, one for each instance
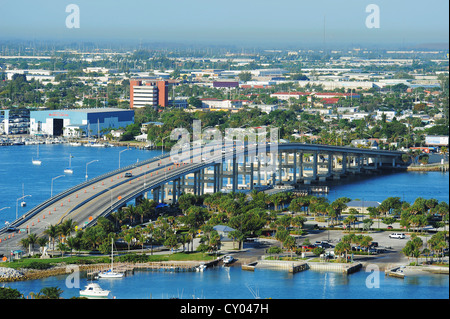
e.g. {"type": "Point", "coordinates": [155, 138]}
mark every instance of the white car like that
{"type": "Point", "coordinates": [397, 235]}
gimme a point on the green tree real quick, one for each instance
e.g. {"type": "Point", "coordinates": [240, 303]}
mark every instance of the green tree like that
{"type": "Point", "coordinates": [50, 293]}
{"type": "Point", "coordinates": [171, 242]}
{"type": "Point", "coordinates": [10, 293]}
{"type": "Point", "coordinates": [289, 243]}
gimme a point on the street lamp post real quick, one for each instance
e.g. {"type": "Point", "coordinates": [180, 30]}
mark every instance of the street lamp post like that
{"type": "Point", "coordinates": [120, 153]}
{"type": "Point", "coordinates": [87, 167]}
{"type": "Point", "coordinates": [51, 188]}
{"type": "Point", "coordinates": [4, 208]}
{"type": "Point", "coordinates": [162, 149]}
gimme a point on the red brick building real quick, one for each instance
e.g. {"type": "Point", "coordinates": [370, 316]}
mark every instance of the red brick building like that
{"type": "Point", "coordinates": [145, 92]}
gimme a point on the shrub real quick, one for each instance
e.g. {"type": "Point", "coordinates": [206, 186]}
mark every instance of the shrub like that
{"type": "Point", "coordinates": [38, 265]}
{"type": "Point", "coordinates": [274, 250]}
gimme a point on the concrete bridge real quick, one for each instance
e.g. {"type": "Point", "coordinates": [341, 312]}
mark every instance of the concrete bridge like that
{"type": "Point", "coordinates": [162, 179]}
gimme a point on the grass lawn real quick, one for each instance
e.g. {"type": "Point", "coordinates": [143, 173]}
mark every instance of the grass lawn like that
{"type": "Point", "coordinates": [87, 260]}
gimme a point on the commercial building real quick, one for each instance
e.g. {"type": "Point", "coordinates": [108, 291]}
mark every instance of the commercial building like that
{"type": "Point", "coordinates": [14, 121]}
{"type": "Point", "coordinates": [148, 92]}
{"type": "Point", "coordinates": [79, 122]}
{"type": "Point", "coordinates": [436, 140]}
{"type": "Point", "coordinates": [361, 206]}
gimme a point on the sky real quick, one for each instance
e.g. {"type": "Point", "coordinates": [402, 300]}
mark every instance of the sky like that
{"type": "Point", "coordinates": [289, 22]}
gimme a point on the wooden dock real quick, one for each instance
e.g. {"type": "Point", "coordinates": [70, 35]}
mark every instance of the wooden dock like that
{"type": "Point", "coordinates": [130, 268]}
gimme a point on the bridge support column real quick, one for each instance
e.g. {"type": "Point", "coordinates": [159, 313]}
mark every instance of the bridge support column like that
{"type": "Point", "coordinates": [330, 164]}
{"type": "Point", "coordinates": [315, 163]}
{"type": "Point", "coordinates": [294, 172]}
{"type": "Point", "coordinates": [162, 193]}
{"type": "Point", "coordinates": [174, 191]}
{"type": "Point", "coordinates": [251, 176]}
{"type": "Point", "coordinates": [259, 171]}
{"type": "Point", "coordinates": [300, 166]}
{"type": "Point", "coordinates": [344, 163]}
{"type": "Point", "coordinates": [235, 174]}
{"type": "Point", "coordinates": [202, 181]}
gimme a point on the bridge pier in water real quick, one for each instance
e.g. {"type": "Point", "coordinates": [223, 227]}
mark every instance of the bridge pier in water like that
{"type": "Point", "coordinates": [293, 167]}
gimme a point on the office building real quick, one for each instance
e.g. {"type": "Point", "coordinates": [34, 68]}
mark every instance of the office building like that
{"type": "Point", "coordinates": [149, 92]}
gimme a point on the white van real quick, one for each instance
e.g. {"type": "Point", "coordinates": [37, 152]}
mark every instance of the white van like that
{"type": "Point", "coordinates": [397, 235]}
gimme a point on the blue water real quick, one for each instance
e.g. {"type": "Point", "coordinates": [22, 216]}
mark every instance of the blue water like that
{"type": "Point", "coordinates": [234, 283]}
{"type": "Point", "coordinates": [16, 169]}
{"type": "Point", "coordinates": [406, 185]}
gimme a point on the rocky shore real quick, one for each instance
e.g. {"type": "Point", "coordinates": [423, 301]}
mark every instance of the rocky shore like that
{"type": "Point", "coordinates": [10, 274]}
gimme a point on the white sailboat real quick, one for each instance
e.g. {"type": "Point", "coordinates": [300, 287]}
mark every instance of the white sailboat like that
{"type": "Point", "coordinates": [98, 144]}
{"type": "Point", "coordinates": [110, 272]}
{"type": "Point", "coordinates": [69, 169]}
{"type": "Point", "coordinates": [36, 161]}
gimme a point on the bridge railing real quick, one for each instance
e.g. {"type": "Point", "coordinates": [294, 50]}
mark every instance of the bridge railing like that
{"type": "Point", "coordinates": [73, 189]}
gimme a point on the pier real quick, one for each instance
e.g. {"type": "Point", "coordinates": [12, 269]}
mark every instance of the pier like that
{"type": "Point", "coordinates": [299, 266]}
{"type": "Point", "coordinates": [130, 268]}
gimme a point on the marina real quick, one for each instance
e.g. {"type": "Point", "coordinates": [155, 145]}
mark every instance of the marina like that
{"type": "Point", "coordinates": [233, 282]}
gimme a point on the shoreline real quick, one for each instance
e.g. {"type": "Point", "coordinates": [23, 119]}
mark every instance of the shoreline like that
{"type": "Point", "coordinates": [58, 270]}
{"type": "Point", "coordinates": [430, 168]}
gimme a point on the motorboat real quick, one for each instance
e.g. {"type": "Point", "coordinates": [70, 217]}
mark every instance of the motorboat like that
{"type": "Point", "coordinates": [110, 273]}
{"type": "Point", "coordinates": [93, 290]}
{"type": "Point", "coordinates": [75, 144]}
{"type": "Point", "coordinates": [201, 267]}
{"type": "Point", "coordinates": [228, 259]}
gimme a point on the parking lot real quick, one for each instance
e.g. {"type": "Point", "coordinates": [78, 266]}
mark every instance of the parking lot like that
{"type": "Point", "coordinates": [393, 253]}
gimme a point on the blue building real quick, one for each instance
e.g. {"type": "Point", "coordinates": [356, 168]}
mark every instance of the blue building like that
{"type": "Point", "coordinates": [79, 122]}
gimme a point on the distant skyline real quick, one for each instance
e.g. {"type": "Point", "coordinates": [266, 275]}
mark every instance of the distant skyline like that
{"type": "Point", "coordinates": [294, 23]}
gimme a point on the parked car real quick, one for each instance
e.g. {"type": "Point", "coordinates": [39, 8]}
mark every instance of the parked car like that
{"type": "Point", "coordinates": [323, 244]}
{"type": "Point", "coordinates": [309, 246]}
{"type": "Point", "coordinates": [397, 235]}
{"type": "Point", "coordinates": [374, 244]}
{"type": "Point", "coordinates": [389, 227]}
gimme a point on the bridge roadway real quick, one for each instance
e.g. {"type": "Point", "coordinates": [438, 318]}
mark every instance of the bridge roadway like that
{"type": "Point", "coordinates": [84, 203]}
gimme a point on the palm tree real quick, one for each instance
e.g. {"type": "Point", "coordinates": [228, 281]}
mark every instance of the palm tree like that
{"type": "Point", "coordinates": [352, 219]}
{"type": "Point", "coordinates": [52, 232]}
{"type": "Point", "coordinates": [131, 212]}
{"type": "Point", "coordinates": [67, 228]}
{"type": "Point", "coordinates": [29, 242]}
{"type": "Point", "coordinates": [50, 293]}
{"type": "Point", "coordinates": [119, 217]}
